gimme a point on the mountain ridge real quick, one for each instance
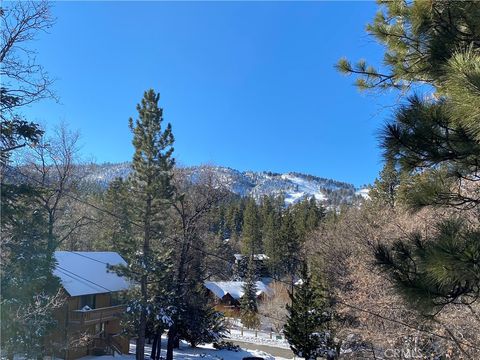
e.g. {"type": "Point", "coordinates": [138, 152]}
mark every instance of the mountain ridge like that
{"type": "Point", "coordinates": [294, 186]}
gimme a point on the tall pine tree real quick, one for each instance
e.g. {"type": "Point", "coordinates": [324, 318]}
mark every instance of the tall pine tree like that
{"type": "Point", "coordinates": [151, 191]}
{"type": "Point", "coordinates": [433, 140]}
{"type": "Point", "coordinates": [248, 302]}
{"type": "Point", "coordinates": [251, 234]}
{"type": "Point", "coordinates": [290, 245]}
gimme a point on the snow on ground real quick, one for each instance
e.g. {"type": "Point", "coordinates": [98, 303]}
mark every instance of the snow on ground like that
{"type": "Point", "coordinates": [261, 337]}
{"type": "Point", "coordinates": [185, 352]}
{"type": "Point", "coordinates": [363, 193]}
{"type": "Point", "coordinates": [303, 188]}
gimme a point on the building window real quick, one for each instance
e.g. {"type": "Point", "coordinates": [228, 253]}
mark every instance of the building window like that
{"type": "Point", "coordinates": [100, 330]}
{"type": "Point", "coordinates": [87, 300]}
{"type": "Point", "coordinates": [117, 298]}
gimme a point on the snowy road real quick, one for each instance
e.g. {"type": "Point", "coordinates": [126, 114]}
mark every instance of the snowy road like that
{"type": "Point", "coordinates": [275, 351]}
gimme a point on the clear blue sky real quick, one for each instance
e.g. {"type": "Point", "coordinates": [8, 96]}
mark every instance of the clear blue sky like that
{"type": "Point", "coordinates": [250, 85]}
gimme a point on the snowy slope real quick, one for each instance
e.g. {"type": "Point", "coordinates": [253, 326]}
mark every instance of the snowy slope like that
{"type": "Point", "coordinates": [293, 186]}
{"type": "Point", "coordinates": [302, 188]}
{"type": "Point", "coordinates": [364, 193]}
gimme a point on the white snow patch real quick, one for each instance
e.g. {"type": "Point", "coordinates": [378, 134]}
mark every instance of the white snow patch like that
{"type": "Point", "coordinates": [259, 337]}
{"type": "Point", "coordinates": [186, 352]}
{"type": "Point", "coordinates": [363, 193]}
{"type": "Point", "coordinates": [303, 188]}
{"type": "Point", "coordinates": [259, 257]}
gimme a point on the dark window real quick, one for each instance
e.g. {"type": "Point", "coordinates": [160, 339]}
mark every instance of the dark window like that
{"type": "Point", "coordinates": [87, 300]}
{"type": "Point", "coordinates": [117, 298]}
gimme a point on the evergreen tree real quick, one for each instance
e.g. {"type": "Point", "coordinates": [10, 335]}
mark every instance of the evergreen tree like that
{"type": "Point", "coordinates": [433, 271]}
{"type": "Point", "coordinates": [30, 291]}
{"type": "Point", "coordinates": [251, 231]}
{"type": "Point", "coordinates": [385, 187]}
{"type": "Point", "coordinates": [118, 231]}
{"type": "Point", "coordinates": [248, 302]}
{"type": "Point", "coordinates": [290, 246]}
{"type": "Point", "coordinates": [234, 218]}
{"type": "Point", "coordinates": [434, 141]}
{"type": "Point", "coordinates": [271, 240]}
{"type": "Point", "coordinates": [299, 212]}
{"type": "Point", "coordinates": [307, 215]}
{"type": "Point", "coordinates": [201, 323]}
{"type": "Point", "coordinates": [316, 213]}
{"type": "Point", "coordinates": [151, 191]}
{"type": "Point", "coordinates": [307, 328]}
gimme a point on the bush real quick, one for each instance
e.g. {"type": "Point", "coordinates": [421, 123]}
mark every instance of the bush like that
{"type": "Point", "coordinates": [226, 345]}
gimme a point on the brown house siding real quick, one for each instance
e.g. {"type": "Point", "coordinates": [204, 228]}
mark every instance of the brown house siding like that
{"type": "Point", "coordinates": [69, 340]}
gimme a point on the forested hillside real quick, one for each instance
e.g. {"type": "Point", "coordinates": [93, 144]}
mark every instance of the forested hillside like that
{"type": "Point", "coordinates": [292, 186]}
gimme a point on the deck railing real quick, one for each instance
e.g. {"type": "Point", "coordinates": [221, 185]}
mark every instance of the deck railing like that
{"type": "Point", "coordinates": [95, 316]}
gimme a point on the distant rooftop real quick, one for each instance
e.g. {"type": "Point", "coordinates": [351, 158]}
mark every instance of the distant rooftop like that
{"type": "Point", "coordinates": [233, 288]}
{"type": "Point", "coordinates": [85, 272]}
{"type": "Point", "coordinates": [261, 257]}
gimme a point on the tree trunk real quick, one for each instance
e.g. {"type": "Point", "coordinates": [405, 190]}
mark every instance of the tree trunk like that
{"type": "Point", "coordinates": [159, 345]}
{"type": "Point", "coordinates": [154, 347]}
{"type": "Point", "coordinates": [170, 343]}
{"type": "Point", "coordinates": [140, 350]}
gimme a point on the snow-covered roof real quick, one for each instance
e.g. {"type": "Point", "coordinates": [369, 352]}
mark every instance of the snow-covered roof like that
{"type": "Point", "coordinates": [239, 257]}
{"type": "Point", "coordinates": [234, 288]}
{"type": "Point", "coordinates": [85, 272]}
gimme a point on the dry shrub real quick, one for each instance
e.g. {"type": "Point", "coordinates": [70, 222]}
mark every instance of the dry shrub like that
{"type": "Point", "coordinates": [273, 305]}
{"type": "Point", "coordinates": [369, 308]}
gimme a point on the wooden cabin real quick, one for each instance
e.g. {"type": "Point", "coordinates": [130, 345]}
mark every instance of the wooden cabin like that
{"type": "Point", "coordinates": [227, 294]}
{"type": "Point", "coordinates": [89, 320]}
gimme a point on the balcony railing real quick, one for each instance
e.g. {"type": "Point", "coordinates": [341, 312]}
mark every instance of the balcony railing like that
{"type": "Point", "coordinates": [95, 316]}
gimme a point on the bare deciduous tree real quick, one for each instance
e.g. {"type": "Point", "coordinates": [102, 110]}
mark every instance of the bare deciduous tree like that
{"type": "Point", "coordinates": [273, 307]}
{"type": "Point", "coordinates": [54, 166]}
{"type": "Point", "coordinates": [24, 81]}
{"type": "Point", "coordinates": [193, 202]}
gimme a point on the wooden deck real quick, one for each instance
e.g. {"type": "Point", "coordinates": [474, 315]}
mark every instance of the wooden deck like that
{"type": "Point", "coordinates": [95, 316]}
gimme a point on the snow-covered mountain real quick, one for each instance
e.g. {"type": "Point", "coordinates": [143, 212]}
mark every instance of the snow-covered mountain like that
{"type": "Point", "coordinates": [293, 186]}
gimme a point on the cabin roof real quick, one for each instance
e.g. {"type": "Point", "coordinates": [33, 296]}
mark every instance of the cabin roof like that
{"type": "Point", "coordinates": [259, 257]}
{"type": "Point", "coordinates": [85, 272]}
{"type": "Point", "coordinates": [233, 288]}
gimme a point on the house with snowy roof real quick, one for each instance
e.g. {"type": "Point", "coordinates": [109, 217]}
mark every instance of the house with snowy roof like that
{"type": "Point", "coordinates": [89, 320]}
{"type": "Point", "coordinates": [229, 293]}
